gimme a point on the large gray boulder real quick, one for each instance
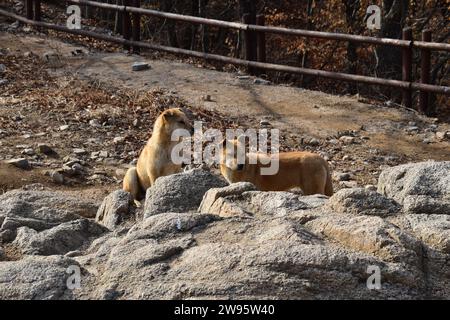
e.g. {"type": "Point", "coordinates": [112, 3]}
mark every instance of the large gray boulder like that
{"type": "Point", "coordinates": [39, 210]}
{"type": "Point", "coordinates": [180, 192]}
{"type": "Point", "coordinates": [35, 277]}
{"type": "Point", "coordinates": [242, 199]}
{"type": "Point", "coordinates": [61, 239]}
{"type": "Point", "coordinates": [360, 201]}
{"type": "Point", "coordinates": [421, 187]}
{"type": "Point", "coordinates": [257, 258]}
{"type": "Point", "coordinates": [114, 209]}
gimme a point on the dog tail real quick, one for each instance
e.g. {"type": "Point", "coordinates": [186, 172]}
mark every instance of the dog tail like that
{"type": "Point", "coordinates": [329, 182]}
{"type": "Point", "coordinates": [131, 184]}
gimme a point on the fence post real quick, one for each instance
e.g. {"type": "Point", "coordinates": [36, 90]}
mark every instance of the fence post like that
{"type": "Point", "coordinates": [136, 26]}
{"type": "Point", "coordinates": [250, 43]}
{"type": "Point", "coordinates": [37, 10]}
{"type": "Point", "coordinates": [261, 40]}
{"type": "Point", "coordinates": [29, 9]}
{"type": "Point", "coordinates": [425, 67]}
{"type": "Point", "coordinates": [126, 24]}
{"type": "Point", "coordinates": [407, 67]}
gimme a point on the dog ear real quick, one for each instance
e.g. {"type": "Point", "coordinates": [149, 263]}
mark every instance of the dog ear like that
{"type": "Point", "coordinates": [168, 114]}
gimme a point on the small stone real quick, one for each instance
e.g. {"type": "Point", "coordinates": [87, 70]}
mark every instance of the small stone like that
{"type": "Point", "coordinates": [118, 140]}
{"type": "Point", "coordinates": [136, 123]}
{"type": "Point", "coordinates": [45, 149]}
{"type": "Point", "coordinates": [264, 123]}
{"type": "Point", "coordinates": [77, 168]}
{"type": "Point", "coordinates": [3, 82]}
{"type": "Point", "coordinates": [427, 141]}
{"type": "Point", "coordinates": [140, 66]}
{"type": "Point", "coordinates": [94, 123]}
{"type": "Point", "coordinates": [2, 68]}
{"type": "Point", "coordinates": [57, 177]}
{"type": "Point", "coordinates": [412, 129]}
{"type": "Point", "coordinates": [347, 139]}
{"type": "Point", "coordinates": [103, 154]}
{"type": "Point", "coordinates": [29, 152]}
{"type": "Point", "coordinates": [64, 127]}
{"type": "Point", "coordinates": [313, 142]}
{"type": "Point", "coordinates": [443, 135]}
{"type": "Point", "coordinates": [243, 77]}
{"type": "Point", "coordinates": [370, 187]}
{"type": "Point", "coordinates": [261, 82]}
{"type": "Point", "coordinates": [342, 176]}
{"type": "Point", "coordinates": [79, 151]}
{"type": "Point", "coordinates": [207, 98]}
{"type": "Point", "coordinates": [20, 163]}
{"type": "Point", "coordinates": [346, 158]}
{"type": "Point", "coordinates": [348, 184]}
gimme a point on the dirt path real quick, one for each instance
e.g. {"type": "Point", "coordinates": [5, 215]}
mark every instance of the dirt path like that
{"type": "Point", "coordinates": [300, 114]}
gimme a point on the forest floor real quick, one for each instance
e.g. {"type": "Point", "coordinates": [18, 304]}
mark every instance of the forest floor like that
{"type": "Point", "coordinates": [92, 109]}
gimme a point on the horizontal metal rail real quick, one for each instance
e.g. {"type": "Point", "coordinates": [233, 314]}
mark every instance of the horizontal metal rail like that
{"type": "Point", "coordinates": [246, 63]}
{"type": "Point", "coordinates": [270, 29]}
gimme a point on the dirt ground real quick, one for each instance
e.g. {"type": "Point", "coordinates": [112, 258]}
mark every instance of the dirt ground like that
{"type": "Point", "coordinates": [99, 97]}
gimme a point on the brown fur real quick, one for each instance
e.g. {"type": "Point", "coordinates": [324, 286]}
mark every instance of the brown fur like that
{"type": "Point", "coordinates": [155, 159]}
{"type": "Point", "coordinates": [304, 170]}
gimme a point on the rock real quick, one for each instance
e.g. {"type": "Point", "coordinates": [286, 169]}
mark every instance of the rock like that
{"type": "Point", "coordinates": [140, 66]}
{"type": "Point", "coordinates": [114, 209]}
{"type": "Point", "coordinates": [64, 127]}
{"type": "Point", "coordinates": [39, 210]}
{"type": "Point", "coordinates": [433, 230]}
{"type": "Point", "coordinates": [58, 240]}
{"type": "Point", "coordinates": [369, 234]}
{"type": "Point", "coordinates": [79, 151]}
{"type": "Point", "coordinates": [347, 139]}
{"type": "Point", "coordinates": [261, 82]}
{"type": "Point", "coordinates": [342, 176]}
{"type": "Point", "coordinates": [313, 142]}
{"type": "Point", "coordinates": [429, 182]}
{"type": "Point", "coordinates": [37, 278]}
{"type": "Point", "coordinates": [363, 202]}
{"type": "Point", "coordinates": [57, 177]}
{"type": "Point", "coordinates": [213, 194]}
{"type": "Point", "coordinates": [425, 204]}
{"type": "Point", "coordinates": [443, 135]}
{"type": "Point", "coordinates": [77, 169]}
{"type": "Point", "coordinates": [118, 140]}
{"type": "Point", "coordinates": [28, 152]}
{"type": "Point", "coordinates": [180, 192]}
{"type": "Point", "coordinates": [45, 149]}
{"type": "Point", "coordinates": [241, 199]}
{"type": "Point", "coordinates": [20, 163]}
{"type": "Point", "coordinates": [264, 123]}
{"type": "Point", "coordinates": [243, 77]}
{"type": "Point", "coordinates": [370, 187]}
{"type": "Point", "coordinates": [94, 123]}
{"type": "Point", "coordinates": [207, 98]}
{"type": "Point", "coordinates": [2, 68]}
{"type": "Point", "coordinates": [412, 129]}
{"type": "Point", "coordinates": [3, 82]}
{"type": "Point", "coordinates": [103, 154]}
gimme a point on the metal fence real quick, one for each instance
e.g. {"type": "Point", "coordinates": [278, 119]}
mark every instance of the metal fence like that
{"type": "Point", "coordinates": [255, 52]}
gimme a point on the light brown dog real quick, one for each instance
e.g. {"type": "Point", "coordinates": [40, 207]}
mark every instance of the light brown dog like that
{"type": "Point", "coordinates": [304, 170]}
{"type": "Point", "coordinates": [155, 159]}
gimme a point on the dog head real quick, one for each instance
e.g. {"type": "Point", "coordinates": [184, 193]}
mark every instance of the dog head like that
{"type": "Point", "coordinates": [173, 119]}
{"type": "Point", "coordinates": [232, 156]}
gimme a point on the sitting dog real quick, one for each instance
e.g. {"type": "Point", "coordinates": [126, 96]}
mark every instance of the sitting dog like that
{"type": "Point", "coordinates": [304, 170]}
{"type": "Point", "coordinates": [155, 159]}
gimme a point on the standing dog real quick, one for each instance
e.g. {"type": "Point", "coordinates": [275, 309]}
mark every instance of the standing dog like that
{"type": "Point", "coordinates": [304, 170]}
{"type": "Point", "coordinates": [155, 160]}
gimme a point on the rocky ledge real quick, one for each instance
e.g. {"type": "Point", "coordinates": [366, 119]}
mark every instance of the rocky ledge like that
{"type": "Point", "coordinates": [198, 238]}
